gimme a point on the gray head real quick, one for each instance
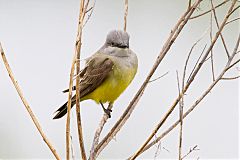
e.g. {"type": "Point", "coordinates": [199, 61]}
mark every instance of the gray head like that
{"type": "Point", "coordinates": [117, 38]}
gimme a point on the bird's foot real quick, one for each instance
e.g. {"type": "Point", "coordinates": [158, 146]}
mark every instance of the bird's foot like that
{"type": "Point", "coordinates": [107, 111]}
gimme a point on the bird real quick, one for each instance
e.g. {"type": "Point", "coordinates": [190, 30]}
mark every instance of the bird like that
{"type": "Point", "coordinates": [107, 73]}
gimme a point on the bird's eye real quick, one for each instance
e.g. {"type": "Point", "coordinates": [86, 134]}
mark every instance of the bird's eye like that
{"type": "Point", "coordinates": [112, 44]}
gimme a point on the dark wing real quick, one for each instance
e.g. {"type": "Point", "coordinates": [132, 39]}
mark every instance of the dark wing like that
{"type": "Point", "coordinates": [95, 72]}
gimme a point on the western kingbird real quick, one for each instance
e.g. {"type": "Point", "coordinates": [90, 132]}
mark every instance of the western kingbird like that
{"type": "Point", "coordinates": [107, 73]}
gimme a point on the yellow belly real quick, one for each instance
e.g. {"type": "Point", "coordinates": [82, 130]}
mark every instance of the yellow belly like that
{"type": "Point", "coordinates": [113, 86]}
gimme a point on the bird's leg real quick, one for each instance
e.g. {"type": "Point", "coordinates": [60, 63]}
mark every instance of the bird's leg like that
{"type": "Point", "coordinates": [107, 111]}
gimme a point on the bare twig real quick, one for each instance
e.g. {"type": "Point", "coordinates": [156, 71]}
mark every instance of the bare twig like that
{"type": "Point", "coordinates": [78, 43]}
{"type": "Point", "coordinates": [158, 77]}
{"type": "Point", "coordinates": [69, 108]}
{"type": "Point", "coordinates": [172, 37]}
{"type": "Point", "coordinates": [139, 151]}
{"type": "Point", "coordinates": [235, 9]}
{"type": "Point", "coordinates": [233, 64]}
{"type": "Point", "coordinates": [216, 20]}
{"type": "Point", "coordinates": [230, 78]}
{"type": "Point", "coordinates": [188, 57]}
{"type": "Point", "coordinates": [98, 132]}
{"type": "Point", "coordinates": [90, 14]}
{"type": "Point", "coordinates": [157, 150]}
{"type": "Point", "coordinates": [189, 3]}
{"type": "Point", "coordinates": [181, 120]}
{"type": "Point", "coordinates": [72, 150]}
{"type": "Point", "coordinates": [227, 67]}
{"type": "Point", "coordinates": [125, 15]}
{"type": "Point", "coordinates": [27, 106]}
{"type": "Point", "coordinates": [190, 75]}
{"type": "Point", "coordinates": [190, 151]}
{"type": "Point", "coordinates": [233, 20]}
{"type": "Point", "coordinates": [211, 37]}
{"type": "Point", "coordinates": [204, 13]}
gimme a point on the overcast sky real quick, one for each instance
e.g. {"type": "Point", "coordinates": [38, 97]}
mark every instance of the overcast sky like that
{"type": "Point", "coordinates": [38, 39]}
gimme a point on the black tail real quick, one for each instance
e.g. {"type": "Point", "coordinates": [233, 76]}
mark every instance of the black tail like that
{"type": "Point", "coordinates": [63, 109]}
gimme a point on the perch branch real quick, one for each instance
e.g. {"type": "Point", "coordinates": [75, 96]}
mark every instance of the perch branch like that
{"type": "Point", "coordinates": [27, 106]}
{"type": "Point", "coordinates": [99, 131]}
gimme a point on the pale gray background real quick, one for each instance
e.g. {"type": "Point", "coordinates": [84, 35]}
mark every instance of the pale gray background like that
{"type": "Point", "coordinates": [38, 39]}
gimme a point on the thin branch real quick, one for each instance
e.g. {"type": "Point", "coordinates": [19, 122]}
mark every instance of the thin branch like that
{"type": "Point", "coordinates": [204, 13]}
{"type": "Point", "coordinates": [27, 106]}
{"type": "Point", "coordinates": [181, 120]}
{"type": "Point", "coordinates": [198, 100]}
{"type": "Point", "coordinates": [190, 151]}
{"type": "Point", "coordinates": [216, 20]}
{"type": "Point", "coordinates": [230, 78]}
{"type": "Point", "coordinates": [211, 54]}
{"type": "Point", "coordinates": [98, 132]}
{"type": "Point", "coordinates": [197, 63]}
{"type": "Point", "coordinates": [150, 81]}
{"type": "Point", "coordinates": [233, 64]}
{"type": "Point", "coordinates": [188, 57]}
{"type": "Point", "coordinates": [90, 14]}
{"type": "Point", "coordinates": [233, 20]}
{"type": "Point", "coordinates": [72, 150]}
{"type": "Point", "coordinates": [78, 45]}
{"type": "Point", "coordinates": [139, 151]}
{"type": "Point", "coordinates": [125, 15]}
{"type": "Point", "coordinates": [69, 108]}
{"type": "Point", "coordinates": [189, 3]}
{"type": "Point", "coordinates": [235, 9]}
{"type": "Point", "coordinates": [172, 37]}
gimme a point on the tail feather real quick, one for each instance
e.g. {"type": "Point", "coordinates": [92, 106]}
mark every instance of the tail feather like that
{"type": "Point", "coordinates": [63, 109]}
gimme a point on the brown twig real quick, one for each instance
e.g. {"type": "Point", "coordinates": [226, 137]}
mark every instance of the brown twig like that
{"type": "Point", "coordinates": [190, 151]}
{"type": "Point", "coordinates": [188, 57]}
{"type": "Point", "coordinates": [233, 20]}
{"type": "Point", "coordinates": [230, 78]}
{"type": "Point", "coordinates": [235, 9]}
{"type": "Point", "coordinates": [195, 66]}
{"type": "Point", "coordinates": [211, 37]}
{"type": "Point", "coordinates": [181, 120]}
{"type": "Point", "coordinates": [150, 81]}
{"type": "Point", "coordinates": [78, 43]}
{"type": "Point", "coordinates": [172, 37]}
{"type": "Point", "coordinates": [227, 67]}
{"type": "Point", "coordinates": [189, 3]}
{"type": "Point", "coordinates": [216, 20]}
{"type": "Point", "coordinates": [125, 15]}
{"type": "Point", "coordinates": [27, 106]}
{"type": "Point", "coordinates": [139, 151]}
{"type": "Point", "coordinates": [204, 13]}
{"type": "Point", "coordinates": [90, 14]}
{"type": "Point", "coordinates": [69, 108]}
{"type": "Point", "coordinates": [98, 132]}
